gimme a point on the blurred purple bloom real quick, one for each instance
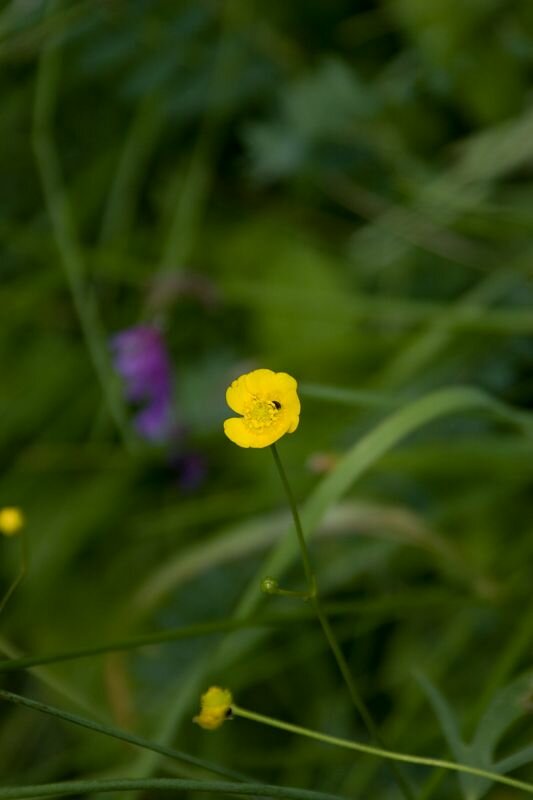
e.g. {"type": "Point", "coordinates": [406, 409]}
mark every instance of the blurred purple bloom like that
{"type": "Point", "coordinates": [141, 358]}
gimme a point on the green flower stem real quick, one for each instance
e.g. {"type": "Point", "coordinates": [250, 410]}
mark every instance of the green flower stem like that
{"type": "Point", "coordinates": [88, 788]}
{"type": "Point", "coordinates": [117, 733]}
{"type": "Point", "coordinates": [23, 568]}
{"type": "Point", "coordinates": [289, 593]}
{"type": "Point", "coordinates": [391, 755]}
{"type": "Point", "coordinates": [160, 637]}
{"type": "Point", "coordinates": [314, 599]}
{"type": "Point", "coordinates": [382, 605]}
{"type": "Point", "coordinates": [309, 574]}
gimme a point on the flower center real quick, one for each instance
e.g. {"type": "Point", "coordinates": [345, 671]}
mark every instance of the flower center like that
{"type": "Point", "coordinates": [261, 414]}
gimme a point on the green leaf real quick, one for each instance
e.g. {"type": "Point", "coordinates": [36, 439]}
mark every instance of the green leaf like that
{"type": "Point", "coordinates": [506, 707]}
{"type": "Point", "coordinates": [515, 760]}
{"type": "Point", "coordinates": [444, 714]}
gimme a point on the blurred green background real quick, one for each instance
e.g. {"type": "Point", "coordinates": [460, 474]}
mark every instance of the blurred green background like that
{"type": "Point", "coordinates": [340, 190]}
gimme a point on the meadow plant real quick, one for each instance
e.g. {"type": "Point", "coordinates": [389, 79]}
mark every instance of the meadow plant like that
{"type": "Point", "coordinates": [269, 408]}
{"type": "Point", "coordinates": [190, 191]}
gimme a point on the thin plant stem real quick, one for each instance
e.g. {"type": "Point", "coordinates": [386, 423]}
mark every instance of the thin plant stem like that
{"type": "Point", "coordinates": [64, 229]}
{"type": "Point", "coordinates": [90, 787]}
{"type": "Point", "coordinates": [309, 574]}
{"type": "Point", "coordinates": [192, 199]}
{"type": "Point", "coordinates": [392, 755]}
{"type": "Point", "coordinates": [145, 640]}
{"type": "Point", "coordinates": [117, 733]}
{"type": "Point", "coordinates": [23, 568]}
{"type": "Point", "coordinates": [314, 598]}
{"type": "Point", "coordinates": [124, 190]}
{"type": "Point", "coordinates": [59, 686]}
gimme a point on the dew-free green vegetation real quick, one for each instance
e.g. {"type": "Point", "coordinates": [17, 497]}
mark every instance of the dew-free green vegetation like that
{"type": "Point", "coordinates": [342, 191]}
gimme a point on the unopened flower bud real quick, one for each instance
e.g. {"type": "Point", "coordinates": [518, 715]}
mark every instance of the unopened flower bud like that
{"type": "Point", "coordinates": [269, 585]}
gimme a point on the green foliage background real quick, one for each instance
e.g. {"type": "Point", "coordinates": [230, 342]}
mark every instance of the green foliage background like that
{"type": "Point", "coordinates": [340, 190]}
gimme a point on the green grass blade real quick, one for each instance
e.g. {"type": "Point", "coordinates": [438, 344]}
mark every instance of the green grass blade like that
{"type": "Point", "coordinates": [117, 733]}
{"type": "Point", "coordinates": [77, 788]}
{"type": "Point", "coordinates": [367, 451]}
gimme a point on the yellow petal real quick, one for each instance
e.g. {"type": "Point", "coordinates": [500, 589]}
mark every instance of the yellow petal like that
{"type": "Point", "coordinates": [268, 436]}
{"type": "Point", "coordinates": [216, 697]}
{"type": "Point", "coordinates": [208, 721]}
{"type": "Point", "coordinates": [260, 381]}
{"type": "Point", "coordinates": [236, 430]}
{"type": "Point", "coordinates": [290, 403]}
{"type": "Point", "coordinates": [285, 382]}
{"type": "Point", "coordinates": [295, 421]}
{"type": "Point", "coordinates": [237, 395]}
{"type": "Point", "coordinates": [215, 708]}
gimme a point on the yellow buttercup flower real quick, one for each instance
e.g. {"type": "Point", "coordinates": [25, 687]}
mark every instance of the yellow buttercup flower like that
{"type": "Point", "coordinates": [215, 707]}
{"type": "Point", "coordinates": [269, 408]}
{"type": "Point", "coordinates": [11, 520]}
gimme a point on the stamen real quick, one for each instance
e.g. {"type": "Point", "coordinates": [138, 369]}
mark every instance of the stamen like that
{"type": "Point", "coordinates": [261, 414]}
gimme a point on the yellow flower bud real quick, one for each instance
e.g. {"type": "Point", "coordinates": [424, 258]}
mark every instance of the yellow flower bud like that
{"type": "Point", "coordinates": [215, 707]}
{"type": "Point", "coordinates": [11, 520]}
{"type": "Point", "coordinates": [269, 586]}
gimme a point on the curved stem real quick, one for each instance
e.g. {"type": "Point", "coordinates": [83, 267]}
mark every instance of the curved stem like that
{"type": "Point", "coordinates": [381, 752]}
{"type": "Point", "coordinates": [314, 598]}
{"type": "Point", "coordinates": [23, 568]}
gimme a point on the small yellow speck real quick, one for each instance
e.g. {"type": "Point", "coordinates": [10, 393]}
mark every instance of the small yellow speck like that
{"type": "Point", "coordinates": [11, 520]}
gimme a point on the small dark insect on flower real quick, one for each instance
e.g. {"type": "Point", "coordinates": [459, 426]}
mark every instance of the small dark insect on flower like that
{"type": "Point", "coordinates": [276, 404]}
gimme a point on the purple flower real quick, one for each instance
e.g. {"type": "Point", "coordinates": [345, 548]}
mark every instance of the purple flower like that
{"type": "Point", "coordinates": [141, 358]}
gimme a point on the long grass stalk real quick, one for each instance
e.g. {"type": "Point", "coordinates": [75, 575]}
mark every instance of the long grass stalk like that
{"type": "Point", "coordinates": [145, 640]}
{"type": "Point", "coordinates": [89, 787]}
{"type": "Point", "coordinates": [63, 226]}
{"type": "Point", "coordinates": [117, 733]}
{"type": "Point", "coordinates": [392, 755]}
